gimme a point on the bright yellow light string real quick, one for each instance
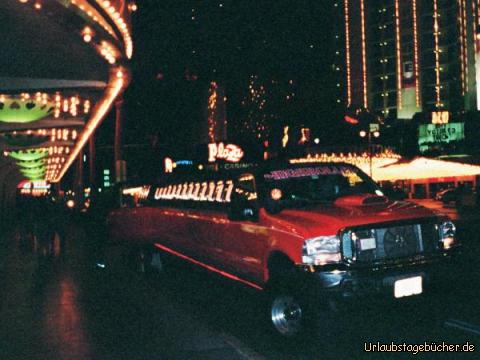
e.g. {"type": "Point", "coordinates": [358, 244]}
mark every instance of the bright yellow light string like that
{"type": "Point", "coordinates": [114, 89]}
{"type": "Point", "coordinates": [437, 53]}
{"type": "Point", "coordinates": [415, 53]}
{"type": "Point", "coordinates": [347, 53]}
{"type": "Point", "coordinates": [399, 54]}
{"type": "Point", "coordinates": [362, 160]}
{"type": "Point", "coordinates": [465, 56]}
{"type": "Point", "coordinates": [120, 23]}
{"type": "Point", "coordinates": [364, 54]}
{"type": "Point", "coordinates": [212, 107]}
{"type": "Point", "coordinates": [474, 24]}
{"type": "Point", "coordinates": [462, 46]}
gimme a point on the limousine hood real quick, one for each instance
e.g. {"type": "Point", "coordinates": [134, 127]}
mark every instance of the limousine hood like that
{"type": "Point", "coordinates": [328, 219]}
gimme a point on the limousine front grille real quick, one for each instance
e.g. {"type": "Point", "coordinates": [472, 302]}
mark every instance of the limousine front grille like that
{"type": "Point", "coordinates": [387, 242]}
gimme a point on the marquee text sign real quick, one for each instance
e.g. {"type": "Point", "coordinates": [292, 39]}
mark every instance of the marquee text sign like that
{"type": "Point", "coordinates": [227, 152]}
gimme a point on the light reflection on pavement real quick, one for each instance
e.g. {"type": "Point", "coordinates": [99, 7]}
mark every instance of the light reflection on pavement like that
{"type": "Point", "coordinates": [61, 307]}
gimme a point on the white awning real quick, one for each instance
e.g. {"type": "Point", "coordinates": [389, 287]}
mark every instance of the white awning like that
{"type": "Point", "coordinates": [424, 168]}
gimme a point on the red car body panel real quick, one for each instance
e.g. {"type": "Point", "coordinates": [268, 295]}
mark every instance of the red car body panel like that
{"type": "Point", "coordinates": [243, 248]}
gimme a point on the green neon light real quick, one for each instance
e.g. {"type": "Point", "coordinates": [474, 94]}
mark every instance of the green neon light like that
{"type": "Point", "coordinates": [31, 164]}
{"type": "Point", "coordinates": [33, 172]}
{"type": "Point", "coordinates": [28, 155]}
{"type": "Point", "coordinates": [18, 111]}
{"type": "Point", "coordinates": [34, 178]}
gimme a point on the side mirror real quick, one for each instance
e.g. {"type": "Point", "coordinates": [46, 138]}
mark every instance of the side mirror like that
{"type": "Point", "coordinates": [241, 209]}
{"type": "Point", "coordinates": [273, 206]}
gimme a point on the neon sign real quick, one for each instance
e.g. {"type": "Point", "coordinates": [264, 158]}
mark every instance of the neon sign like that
{"type": "Point", "coordinates": [229, 152]}
{"type": "Point", "coordinates": [440, 117]}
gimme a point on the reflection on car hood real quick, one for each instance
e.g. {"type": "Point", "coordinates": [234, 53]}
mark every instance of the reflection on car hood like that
{"type": "Point", "coordinates": [328, 219]}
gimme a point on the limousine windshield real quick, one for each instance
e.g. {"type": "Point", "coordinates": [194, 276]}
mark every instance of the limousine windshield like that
{"type": "Point", "coordinates": [296, 187]}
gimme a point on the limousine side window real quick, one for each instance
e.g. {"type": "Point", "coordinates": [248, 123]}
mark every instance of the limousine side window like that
{"type": "Point", "coordinates": [211, 194]}
{"type": "Point", "coordinates": [244, 204]}
{"type": "Point", "coordinates": [136, 196]}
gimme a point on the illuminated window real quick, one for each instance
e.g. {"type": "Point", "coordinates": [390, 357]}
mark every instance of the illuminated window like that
{"type": "Point", "coordinates": [203, 192]}
{"type": "Point", "coordinates": [219, 191]}
{"type": "Point", "coordinates": [228, 191]}
{"type": "Point", "coordinates": [191, 186]}
{"type": "Point", "coordinates": [211, 190]}
{"type": "Point", "coordinates": [196, 191]}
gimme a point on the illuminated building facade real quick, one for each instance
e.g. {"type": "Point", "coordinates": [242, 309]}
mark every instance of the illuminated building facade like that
{"type": "Point", "coordinates": [401, 57]}
{"type": "Point", "coordinates": [216, 114]}
{"type": "Point", "coordinates": [63, 66]}
{"type": "Point", "coordinates": [52, 101]}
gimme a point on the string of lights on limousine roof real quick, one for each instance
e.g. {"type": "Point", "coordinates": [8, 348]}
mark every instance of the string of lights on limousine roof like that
{"type": "Point", "coordinates": [362, 160]}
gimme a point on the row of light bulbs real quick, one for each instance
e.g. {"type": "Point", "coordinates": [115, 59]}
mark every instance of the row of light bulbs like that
{"type": "Point", "coordinates": [121, 24]}
{"type": "Point", "coordinates": [37, 4]}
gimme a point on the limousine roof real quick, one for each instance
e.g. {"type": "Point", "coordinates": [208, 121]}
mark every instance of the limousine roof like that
{"type": "Point", "coordinates": [256, 170]}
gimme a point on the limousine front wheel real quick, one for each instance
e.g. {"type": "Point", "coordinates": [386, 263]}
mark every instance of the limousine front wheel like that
{"type": "Point", "coordinates": [287, 315]}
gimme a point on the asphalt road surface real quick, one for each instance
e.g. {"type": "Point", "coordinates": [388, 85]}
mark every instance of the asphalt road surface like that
{"type": "Point", "coordinates": [56, 302]}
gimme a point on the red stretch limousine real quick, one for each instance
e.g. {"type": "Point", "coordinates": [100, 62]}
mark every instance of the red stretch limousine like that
{"type": "Point", "coordinates": [322, 232]}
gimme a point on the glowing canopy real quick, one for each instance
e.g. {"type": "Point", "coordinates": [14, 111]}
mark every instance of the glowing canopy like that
{"type": "Point", "coordinates": [424, 168]}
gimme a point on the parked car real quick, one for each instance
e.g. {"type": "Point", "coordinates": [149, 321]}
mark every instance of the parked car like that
{"type": "Point", "coordinates": [462, 197]}
{"type": "Point", "coordinates": [318, 234]}
{"type": "Point", "coordinates": [447, 195]}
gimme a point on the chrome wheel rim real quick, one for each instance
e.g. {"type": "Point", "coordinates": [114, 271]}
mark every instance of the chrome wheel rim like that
{"type": "Point", "coordinates": [286, 314]}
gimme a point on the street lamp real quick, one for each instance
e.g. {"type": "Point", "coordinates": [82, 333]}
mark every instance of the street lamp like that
{"type": "Point", "coordinates": [373, 131]}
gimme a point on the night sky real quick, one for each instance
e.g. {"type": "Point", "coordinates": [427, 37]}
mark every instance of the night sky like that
{"type": "Point", "coordinates": [182, 45]}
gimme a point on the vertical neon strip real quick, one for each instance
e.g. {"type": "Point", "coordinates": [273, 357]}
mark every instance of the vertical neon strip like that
{"type": "Point", "coordinates": [415, 53]}
{"type": "Point", "coordinates": [465, 46]}
{"type": "Point", "coordinates": [347, 54]}
{"type": "Point", "coordinates": [474, 24]}
{"type": "Point", "coordinates": [364, 54]}
{"type": "Point", "coordinates": [437, 53]}
{"type": "Point", "coordinates": [399, 54]}
{"type": "Point", "coordinates": [462, 48]}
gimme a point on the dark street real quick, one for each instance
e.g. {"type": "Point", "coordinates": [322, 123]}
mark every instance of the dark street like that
{"type": "Point", "coordinates": [58, 303]}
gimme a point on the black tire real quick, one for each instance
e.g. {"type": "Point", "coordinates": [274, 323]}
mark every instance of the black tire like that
{"type": "Point", "coordinates": [288, 313]}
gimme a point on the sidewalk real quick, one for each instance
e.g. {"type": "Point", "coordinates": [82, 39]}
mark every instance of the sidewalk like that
{"type": "Point", "coordinates": [64, 308]}
{"type": "Point", "coordinates": [464, 312]}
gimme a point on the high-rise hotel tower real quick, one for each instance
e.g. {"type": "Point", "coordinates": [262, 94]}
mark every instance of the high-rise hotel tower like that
{"type": "Point", "coordinates": [400, 57]}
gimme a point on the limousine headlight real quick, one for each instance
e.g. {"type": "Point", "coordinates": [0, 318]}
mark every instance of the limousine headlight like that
{"type": "Point", "coordinates": [321, 250]}
{"type": "Point", "coordinates": [447, 234]}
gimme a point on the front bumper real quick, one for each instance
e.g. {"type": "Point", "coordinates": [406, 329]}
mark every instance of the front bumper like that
{"type": "Point", "coordinates": [377, 282]}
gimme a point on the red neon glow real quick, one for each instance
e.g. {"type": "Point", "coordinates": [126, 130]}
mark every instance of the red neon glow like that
{"type": "Point", "coordinates": [208, 267]}
{"type": "Point", "coordinates": [351, 120]}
